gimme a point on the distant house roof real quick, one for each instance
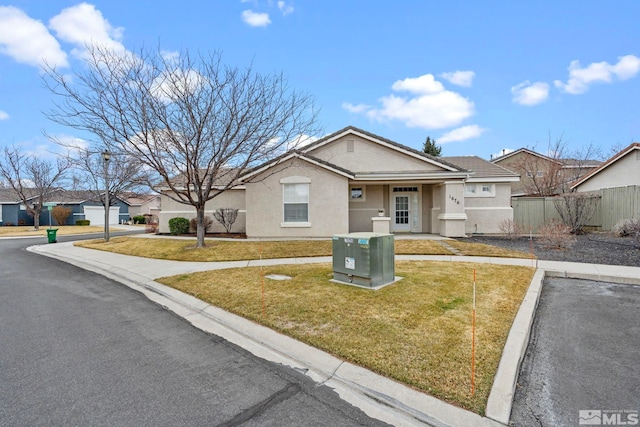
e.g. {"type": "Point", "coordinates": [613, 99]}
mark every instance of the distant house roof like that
{"type": "Point", "coordinates": [523, 150]}
{"type": "Point", "coordinates": [482, 168]}
{"type": "Point", "coordinates": [606, 164]}
{"type": "Point", "coordinates": [140, 199]}
{"type": "Point", "coordinates": [10, 196]}
{"type": "Point", "coordinates": [223, 179]}
{"type": "Point", "coordinates": [566, 163]}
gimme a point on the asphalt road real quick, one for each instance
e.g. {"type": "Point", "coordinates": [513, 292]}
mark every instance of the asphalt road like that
{"type": "Point", "coordinates": [79, 349]}
{"type": "Point", "coordinates": [583, 355]}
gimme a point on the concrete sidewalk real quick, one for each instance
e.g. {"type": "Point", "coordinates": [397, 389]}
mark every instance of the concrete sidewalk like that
{"type": "Point", "coordinates": [378, 396]}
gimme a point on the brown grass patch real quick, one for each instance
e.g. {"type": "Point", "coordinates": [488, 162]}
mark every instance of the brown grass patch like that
{"type": "Point", "coordinates": [416, 331]}
{"type": "Point", "coordinates": [480, 249]}
{"type": "Point", "coordinates": [224, 250]}
{"type": "Point", "coordinates": [8, 231]}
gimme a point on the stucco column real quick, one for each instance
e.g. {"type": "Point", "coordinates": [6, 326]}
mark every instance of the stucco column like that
{"type": "Point", "coordinates": [452, 216]}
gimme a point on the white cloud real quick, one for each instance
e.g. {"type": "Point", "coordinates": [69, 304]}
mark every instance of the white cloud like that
{"type": "Point", "coordinates": [425, 84]}
{"type": "Point", "coordinates": [285, 8]}
{"type": "Point", "coordinates": [461, 134]}
{"type": "Point", "coordinates": [598, 72]}
{"type": "Point", "coordinates": [301, 141]}
{"type": "Point", "coordinates": [527, 93]}
{"type": "Point", "coordinates": [429, 106]}
{"type": "Point", "coordinates": [360, 108]}
{"type": "Point", "coordinates": [82, 25]}
{"type": "Point", "coordinates": [71, 142]}
{"type": "Point", "coordinates": [255, 19]}
{"type": "Point", "coordinates": [4, 115]}
{"type": "Point", "coordinates": [502, 152]}
{"type": "Point", "coordinates": [174, 84]}
{"type": "Point", "coordinates": [460, 78]}
{"type": "Point", "coordinates": [27, 40]}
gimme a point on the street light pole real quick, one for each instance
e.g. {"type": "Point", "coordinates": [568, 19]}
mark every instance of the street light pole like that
{"type": "Point", "coordinates": [105, 157]}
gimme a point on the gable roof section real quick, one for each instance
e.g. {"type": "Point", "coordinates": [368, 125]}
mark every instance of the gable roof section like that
{"type": "Point", "coordinates": [483, 169]}
{"type": "Point", "coordinates": [352, 130]}
{"type": "Point", "coordinates": [525, 151]}
{"type": "Point", "coordinates": [296, 154]}
{"type": "Point", "coordinates": [603, 166]}
{"type": "Point", "coordinates": [9, 196]}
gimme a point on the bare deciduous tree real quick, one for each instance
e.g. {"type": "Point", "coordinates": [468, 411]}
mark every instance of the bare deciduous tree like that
{"type": "Point", "coordinates": [32, 178]}
{"type": "Point", "coordinates": [227, 217]}
{"type": "Point", "coordinates": [183, 116]}
{"type": "Point", "coordinates": [126, 175]}
{"type": "Point", "coordinates": [541, 175]}
{"type": "Point", "coordinates": [553, 172]}
{"type": "Point", "coordinates": [576, 209]}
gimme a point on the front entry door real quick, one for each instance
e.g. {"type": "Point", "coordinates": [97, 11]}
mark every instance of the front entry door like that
{"type": "Point", "coordinates": [402, 212]}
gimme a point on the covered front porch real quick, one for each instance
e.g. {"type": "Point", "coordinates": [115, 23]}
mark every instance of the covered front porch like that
{"type": "Point", "coordinates": [432, 207]}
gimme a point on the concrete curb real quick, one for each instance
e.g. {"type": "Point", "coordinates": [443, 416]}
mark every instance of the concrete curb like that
{"type": "Point", "coordinates": [504, 383]}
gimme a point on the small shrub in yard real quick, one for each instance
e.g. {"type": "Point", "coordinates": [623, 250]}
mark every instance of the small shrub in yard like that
{"type": "Point", "coordinates": [193, 224]}
{"type": "Point", "coordinates": [178, 225]}
{"type": "Point", "coordinates": [139, 219]}
{"type": "Point", "coordinates": [60, 214]}
{"type": "Point", "coordinates": [556, 235]}
{"type": "Point", "coordinates": [627, 227]}
{"type": "Point", "coordinates": [83, 222]}
{"type": "Point", "coordinates": [510, 229]}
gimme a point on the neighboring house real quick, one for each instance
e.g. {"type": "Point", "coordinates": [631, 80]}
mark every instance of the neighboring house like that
{"type": "Point", "coordinates": [14, 212]}
{"type": "Point", "coordinates": [621, 170]}
{"type": "Point", "coordinates": [541, 175]}
{"type": "Point", "coordinates": [143, 204]}
{"type": "Point", "coordinates": [344, 181]}
{"type": "Point", "coordinates": [86, 205]}
{"type": "Point", "coordinates": [230, 198]}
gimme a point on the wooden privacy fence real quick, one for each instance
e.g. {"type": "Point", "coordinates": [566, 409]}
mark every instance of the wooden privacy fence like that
{"type": "Point", "coordinates": [615, 204]}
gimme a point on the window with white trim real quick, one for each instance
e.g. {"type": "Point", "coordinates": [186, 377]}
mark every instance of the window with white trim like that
{"type": "Point", "coordinates": [296, 202]}
{"type": "Point", "coordinates": [479, 190]}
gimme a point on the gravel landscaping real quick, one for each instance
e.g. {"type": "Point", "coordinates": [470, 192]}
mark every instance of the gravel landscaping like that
{"type": "Point", "coordinates": [592, 248]}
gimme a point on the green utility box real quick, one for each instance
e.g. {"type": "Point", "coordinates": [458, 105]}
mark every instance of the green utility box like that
{"type": "Point", "coordinates": [51, 234]}
{"type": "Point", "coordinates": [364, 259]}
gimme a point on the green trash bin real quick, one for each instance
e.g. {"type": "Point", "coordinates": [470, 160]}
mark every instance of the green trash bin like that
{"type": "Point", "coordinates": [51, 234]}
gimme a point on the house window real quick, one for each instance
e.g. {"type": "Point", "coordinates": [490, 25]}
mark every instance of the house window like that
{"type": "Point", "coordinates": [479, 190]}
{"type": "Point", "coordinates": [357, 194]}
{"type": "Point", "coordinates": [405, 189]}
{"type": "Point", "coordinates": [296, 202]}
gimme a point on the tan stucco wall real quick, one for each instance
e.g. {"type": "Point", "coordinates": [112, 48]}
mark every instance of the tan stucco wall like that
{"type": "Point", "coordinates": [427, 206]}
{"type": "Point", "coordinates": [328, 203]}
{"type": "Point", "coordinates": [228, 199]}
{"type": "Point", "coordinates": [484, 214]}
{"type": "Point", "coordinates": [361, 211]}
{"type": "Point", "coordinates": [368, 156]}
{"type": "Point", "coordinates": [623, 172]}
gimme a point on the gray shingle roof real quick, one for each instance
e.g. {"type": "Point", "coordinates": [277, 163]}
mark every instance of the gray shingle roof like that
{"type": "Point", "coordinates": [481, 167]}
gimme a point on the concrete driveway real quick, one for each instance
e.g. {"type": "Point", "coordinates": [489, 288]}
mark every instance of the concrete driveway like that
{"type": "Point", "coordinates": [582, 365]}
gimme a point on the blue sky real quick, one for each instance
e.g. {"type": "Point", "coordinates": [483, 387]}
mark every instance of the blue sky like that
{"type": "Point", "coordinates": [478, 76]}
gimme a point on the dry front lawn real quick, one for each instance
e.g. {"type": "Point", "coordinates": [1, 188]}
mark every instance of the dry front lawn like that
{"type": "Point", "coordinates": [7, 231]}
{"type": "Point", "coordinates": [416, 331]}
{"type": "Point", "coordinates": [225, 250]}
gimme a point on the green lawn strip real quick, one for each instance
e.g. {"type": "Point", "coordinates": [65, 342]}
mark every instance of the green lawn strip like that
{"type": "Point", "coordinates": [416, 331]}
